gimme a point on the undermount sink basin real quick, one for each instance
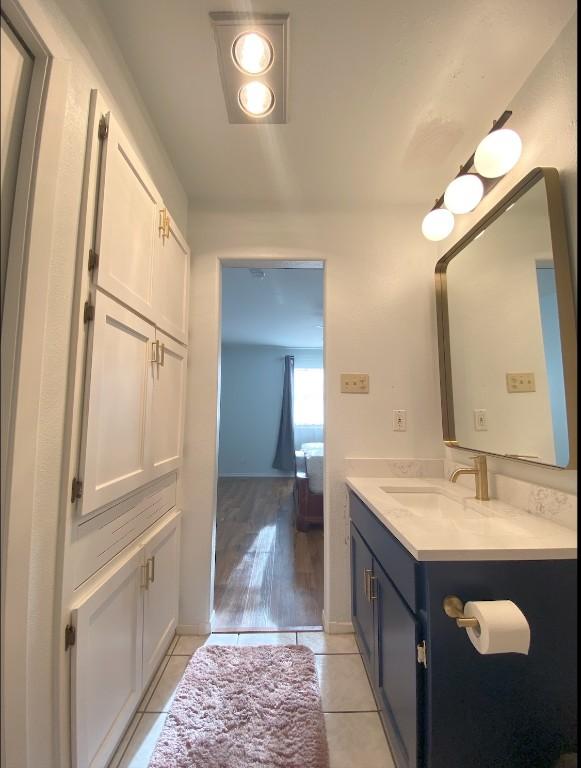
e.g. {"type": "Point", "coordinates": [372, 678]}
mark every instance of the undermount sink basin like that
{"type": "Point", "coordinates": [435, 503]}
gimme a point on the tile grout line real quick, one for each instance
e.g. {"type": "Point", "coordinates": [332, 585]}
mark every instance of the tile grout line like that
{"type": "Point", "coordinates": [119, 757]}
{"type": "Point", "coordinates": [145, 703]}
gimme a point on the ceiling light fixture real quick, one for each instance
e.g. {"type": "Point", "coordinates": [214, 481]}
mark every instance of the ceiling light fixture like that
{"type": "Point", "coordinates": [252, 53]}
{"type": "Point", "coordinates": [495, 156]}
{"type": "Point", "coordinates": [256, 98]}
{"type": "Point", "coordinates": [253, 60]}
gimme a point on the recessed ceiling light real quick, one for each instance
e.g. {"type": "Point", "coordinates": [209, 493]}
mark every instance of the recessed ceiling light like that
{"type": "Point", "coordinates": [252, 53]}
{"type": "Point", "coordinates": [252, 50]}
{"type": "Point", "coordinates": [256, 99]}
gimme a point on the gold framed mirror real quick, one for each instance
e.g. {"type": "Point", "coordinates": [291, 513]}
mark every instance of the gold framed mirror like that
{"type": "Point", "coordinates": [507, 330]}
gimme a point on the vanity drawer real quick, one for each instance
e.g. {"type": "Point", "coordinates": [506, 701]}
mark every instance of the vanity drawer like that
{"type": "Point", "coordinates": [395, 560]}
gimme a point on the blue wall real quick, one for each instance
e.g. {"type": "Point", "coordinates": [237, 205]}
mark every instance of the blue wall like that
{"type": "Point", "coordinates": [554, 360]}
{"type": "Point", "coordinates": [250, 400]}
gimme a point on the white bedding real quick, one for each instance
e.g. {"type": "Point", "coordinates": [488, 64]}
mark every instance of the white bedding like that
{"type": "Point", "coordinates": [315, 470]}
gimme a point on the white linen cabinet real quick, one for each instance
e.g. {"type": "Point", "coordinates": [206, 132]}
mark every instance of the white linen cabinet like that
{"type": "Point", "coordinates": [143, 259]}
{"type": "Point", "coordinates": [116, 449]}
{"type": "Point", "coordinates": [123, 626]}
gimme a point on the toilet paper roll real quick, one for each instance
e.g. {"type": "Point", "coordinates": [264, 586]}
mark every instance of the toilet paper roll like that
{"type": "Point", "coordinates": [503, 627]}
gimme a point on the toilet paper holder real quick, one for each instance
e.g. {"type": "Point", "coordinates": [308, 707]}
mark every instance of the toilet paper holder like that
{"type": "Point", "coordinates": [454, 608]}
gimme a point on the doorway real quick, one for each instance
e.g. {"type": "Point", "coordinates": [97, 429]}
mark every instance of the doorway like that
{"type": "Point", "coordinates": [269, 517]}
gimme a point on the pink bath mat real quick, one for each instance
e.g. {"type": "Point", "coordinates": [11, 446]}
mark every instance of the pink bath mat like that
{"type": "Point", "coordinates": [247, 707]}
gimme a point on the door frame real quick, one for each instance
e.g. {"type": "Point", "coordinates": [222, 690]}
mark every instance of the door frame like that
{"type": "Point", "coordinates": [23, 327]}
{"type": "Point", "coordinates": [269, 262]}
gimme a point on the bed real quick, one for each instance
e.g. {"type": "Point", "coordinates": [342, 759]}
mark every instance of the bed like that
{"type": "Point", "coordinates": [308, 488]}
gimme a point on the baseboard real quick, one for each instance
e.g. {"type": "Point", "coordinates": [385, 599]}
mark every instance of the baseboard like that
{"type": "Point", "coordinates": [204, 628]}
{"type": "Point", "coordinates": [337, 627]}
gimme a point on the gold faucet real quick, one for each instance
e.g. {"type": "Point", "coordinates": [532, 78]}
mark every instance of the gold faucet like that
{"type": "Point", "coordinates": [480, 473]}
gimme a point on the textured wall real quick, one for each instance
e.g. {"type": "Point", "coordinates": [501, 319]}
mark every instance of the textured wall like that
{"type": "Point", "coordinates": [379, 319]}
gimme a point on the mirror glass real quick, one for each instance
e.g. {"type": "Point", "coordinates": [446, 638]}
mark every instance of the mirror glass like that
{"type": "Point", "coordinates": [502, 340]}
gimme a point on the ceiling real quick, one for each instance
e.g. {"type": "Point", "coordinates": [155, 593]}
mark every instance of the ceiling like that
{"type": "Point", "coordinates": [386, 99]}
{"type": "Point", "coordinates": [285, 309]}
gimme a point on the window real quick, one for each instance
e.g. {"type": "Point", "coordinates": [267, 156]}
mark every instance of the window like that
{"type": "Point", "coordinates": [308, 396]}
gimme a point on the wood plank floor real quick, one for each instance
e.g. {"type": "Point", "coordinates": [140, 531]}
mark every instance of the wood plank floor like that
{"type": "Point", "coordinates": [268, 575]}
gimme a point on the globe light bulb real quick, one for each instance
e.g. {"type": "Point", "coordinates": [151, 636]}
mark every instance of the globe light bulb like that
{"type": "Point", "coordinates": [463, 193]}
{"type": "Point", "coordinates": [256, 99]}
{"type": "Point", "coordinates": [437, 224]}
{"type": "Point", "coordinates": [252, 53]}
{"type": "Point", "coordinates": [497, 153]}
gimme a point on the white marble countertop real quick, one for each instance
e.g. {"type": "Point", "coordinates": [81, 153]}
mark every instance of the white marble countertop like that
{"type": "Point", "coordinates": [478, 530]}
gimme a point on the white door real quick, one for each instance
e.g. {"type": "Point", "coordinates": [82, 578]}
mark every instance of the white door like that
{"type": "Point", "coordinates": [106, 663]}
{"type": "Point", "coordinates": [169, 389]}
{"type": "Point", "coordinates": [172, 280]}
{"type": "Point", "coordinates": [160, 598]}
{"type": "Point", "coordinates": [116, 448]}
{"type": "Point", "coordinates": [128, 231]}
{"type": "Point", "coordinates": [16, 72]}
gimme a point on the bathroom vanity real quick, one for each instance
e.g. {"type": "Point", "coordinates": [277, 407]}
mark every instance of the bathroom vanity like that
{"type": "Point", "coordinates": [442, 703]}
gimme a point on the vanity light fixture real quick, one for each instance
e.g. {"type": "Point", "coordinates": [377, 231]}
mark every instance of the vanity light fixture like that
{"type": "Point", "coordinates": [252, 57]}
{"type": "Point", "coordinates": [495, 156]}
{"type": "Point", "coordinates": [497, 153]}
{"type": "Point", "coordinates": [463, 193]}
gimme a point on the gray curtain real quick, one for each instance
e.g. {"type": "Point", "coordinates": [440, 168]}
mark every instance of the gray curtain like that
{"type": "Point", "coordinates": [284, 457]}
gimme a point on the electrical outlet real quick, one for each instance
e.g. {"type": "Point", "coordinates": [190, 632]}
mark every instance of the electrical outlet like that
{"type": "Point", "coordinates": [355, 383]}
{"type": "Point", "coordinates": [520, 382]}
{"type": "Point", "coordinates": [480, 420]}
{"type": "Point", "coordinates": [400, 421]}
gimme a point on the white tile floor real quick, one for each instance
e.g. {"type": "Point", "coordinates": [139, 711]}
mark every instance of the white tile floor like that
{"type": "Point", "coordinates": [354, 732]}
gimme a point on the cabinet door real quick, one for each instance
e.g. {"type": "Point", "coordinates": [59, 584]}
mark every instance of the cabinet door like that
{"type": "Point", "coordinates": [128, 224]}
{"type": "Point", "coordinates": [169, 390]}
{"type": "Point", "coordinates": [116, 446]}
{"type": "Point", "coordinates": [397, 669]}
{"type": "Point", "coordinates": [160, 599]}
{"type": "Point", "coordinates": [171, 283]}
{"type": "Point", "coordinates": [106, 663]}
{"type": "Point", "coordinates": [361, 603]}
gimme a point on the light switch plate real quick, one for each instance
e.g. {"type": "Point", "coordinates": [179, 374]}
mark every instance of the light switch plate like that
{"type": "Point", "coordinates": [355, 383]}
{"type": "Point", "coordinates": [480, 420]}
{"type": "Point", "coordinates": [400, 421]}
{"type": "Point", "coordinates": [520, 382]}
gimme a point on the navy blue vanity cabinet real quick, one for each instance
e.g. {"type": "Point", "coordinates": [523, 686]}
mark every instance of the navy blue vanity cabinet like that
{"type": "Point", "coordinates": [362, 607]}
{"type": "Point", "coordinates": [443, 704]}
{"type": "Point", "coordinates": [396, 672]}
{"type": "Point", "coordinates": [388, 631]}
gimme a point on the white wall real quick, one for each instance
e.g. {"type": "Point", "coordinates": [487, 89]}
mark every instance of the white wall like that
{"type": "Point", "coordinates": [379, 319]}
{"type": "Point", "coordinates": [545, 116]}
{"type": "Point", "coordinates": [250, 403]}
{"type": "Point", "coordinates": [95, 63]}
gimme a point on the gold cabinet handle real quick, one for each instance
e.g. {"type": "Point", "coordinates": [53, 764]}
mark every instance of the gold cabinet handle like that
{"type": "Point", "coordinates": [372, 588]}
{"type": "Point", "coordinates": [162, 355]}
{"type": "Point", "coordinates": [367, 577]}
{"type": "Point", "coordinates": [161, 228]}
{"type": "Point", "coordinates": [145, 576]}
{"type": "Point", "coordinates": [151, 569]}
{"type": "Point", "coordinates": [154, 348]}
{"type": "Point", "coordinates": [166, 224]}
